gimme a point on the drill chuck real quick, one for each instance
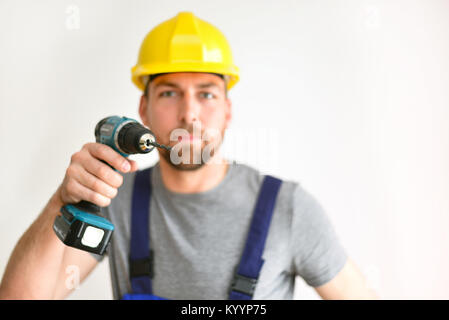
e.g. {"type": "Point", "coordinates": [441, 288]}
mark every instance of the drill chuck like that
{"type": "Point", "coordinates": [134, 138]}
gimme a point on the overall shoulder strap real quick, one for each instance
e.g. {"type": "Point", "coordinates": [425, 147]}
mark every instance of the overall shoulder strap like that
{"type": "Point", "coordinates": [140, 259]}
{"type": "Point", "coordinates": [247, 273]}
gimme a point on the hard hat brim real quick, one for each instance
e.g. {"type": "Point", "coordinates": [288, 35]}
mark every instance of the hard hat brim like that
{"type": "Point", "coordinates": [140, 71]}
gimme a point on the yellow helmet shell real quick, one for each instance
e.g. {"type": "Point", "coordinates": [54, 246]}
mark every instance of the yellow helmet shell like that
{"type": "Point", "coordinates": [184, 43]}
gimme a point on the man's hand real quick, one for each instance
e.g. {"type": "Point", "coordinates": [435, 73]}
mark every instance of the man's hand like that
{"type": "Point", "coordinates": [88, 178]}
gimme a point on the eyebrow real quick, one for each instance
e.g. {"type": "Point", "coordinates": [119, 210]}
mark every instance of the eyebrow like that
{"type": "Point", "coordinates": [174, 85]}
{"type": "Point", "coordinates": [207, 85]}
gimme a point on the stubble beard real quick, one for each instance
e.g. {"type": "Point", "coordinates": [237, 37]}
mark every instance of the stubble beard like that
{"type": "Point", "coordinates": [196, 153]}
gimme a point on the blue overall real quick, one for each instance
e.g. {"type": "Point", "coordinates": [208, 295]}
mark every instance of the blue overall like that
{"type": "Point", "coordinates": [141, 257]}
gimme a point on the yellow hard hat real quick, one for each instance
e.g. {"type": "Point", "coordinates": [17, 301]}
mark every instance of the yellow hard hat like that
{"type": "Point", "coordinates": [184, 43]}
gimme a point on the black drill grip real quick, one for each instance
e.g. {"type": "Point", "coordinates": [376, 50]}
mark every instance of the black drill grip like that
{"type": "Point", "coordinates": [87, 206]}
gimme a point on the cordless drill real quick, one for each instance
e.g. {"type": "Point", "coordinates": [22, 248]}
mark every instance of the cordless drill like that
{"type": "Point", "coordinates": [80, 225]}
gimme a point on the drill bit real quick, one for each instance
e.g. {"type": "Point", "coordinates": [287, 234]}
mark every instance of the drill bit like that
{"type": "Point", "coordinates": [154, 143]}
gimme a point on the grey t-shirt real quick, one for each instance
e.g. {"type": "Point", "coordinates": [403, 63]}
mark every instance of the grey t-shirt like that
{"type": "Point", "coordinates": [198, 238]}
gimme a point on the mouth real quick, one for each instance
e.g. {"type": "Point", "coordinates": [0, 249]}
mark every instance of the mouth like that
{"type": "Point", "coordinates": [187, 138]}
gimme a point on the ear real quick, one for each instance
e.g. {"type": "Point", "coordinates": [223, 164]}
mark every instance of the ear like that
{"type": "Point", "coordinates": [143, 107]}
{"type": "Point", "coordinates": [228, 112]}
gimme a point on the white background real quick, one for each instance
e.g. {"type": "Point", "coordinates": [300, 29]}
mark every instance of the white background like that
{"type": "Point", "coordinates": [352, 95]}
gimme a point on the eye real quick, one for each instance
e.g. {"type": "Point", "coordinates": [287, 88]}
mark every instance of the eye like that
{"type": "Point", "coordinates": [207, 95]}
{"type": "Point", "coordinates": [167, 94]}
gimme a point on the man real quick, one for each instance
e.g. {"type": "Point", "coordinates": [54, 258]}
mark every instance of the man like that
{"type": "Point", "coordinates": [217, 230]}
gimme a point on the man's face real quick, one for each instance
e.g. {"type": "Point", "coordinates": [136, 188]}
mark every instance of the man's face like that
{"type": "Point", "coordinates": [187, 102]}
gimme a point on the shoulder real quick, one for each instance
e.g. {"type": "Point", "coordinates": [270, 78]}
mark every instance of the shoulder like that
{"type": "Point", "coordinates": [305, 212]}
{"type": "Point", "coordinates": [290, 191]}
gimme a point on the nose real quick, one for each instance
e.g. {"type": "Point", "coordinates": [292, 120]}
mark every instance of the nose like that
{"type": "Point", "coordinates": [189, 110]}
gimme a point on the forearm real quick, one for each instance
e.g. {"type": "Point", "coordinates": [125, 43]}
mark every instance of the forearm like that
{"type": "Point", "coordinates": [349, 284]}
{"type": "Point", "coordinates": [36, 261]}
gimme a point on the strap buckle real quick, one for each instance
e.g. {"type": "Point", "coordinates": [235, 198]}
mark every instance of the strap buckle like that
{"type": "Point", "coordinates": [243, 284]}
{"type": "Point", "coordinates": [141, 267]}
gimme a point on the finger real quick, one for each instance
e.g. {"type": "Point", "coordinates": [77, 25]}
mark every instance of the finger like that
{"type": "Point", "coordinates": [134, 165]}
{"type": "Point", "coordinates": [112, 157]}
{"type": "Point", "coordinates": [81, 192]}
{"type": "Point", "coordinates": [95, 184]}
{"type": "Point", "coordinates": [103, 172]}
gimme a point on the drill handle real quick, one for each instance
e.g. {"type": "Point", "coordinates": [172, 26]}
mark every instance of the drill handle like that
{"type": "Point", "coordinates": [87, 206]}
